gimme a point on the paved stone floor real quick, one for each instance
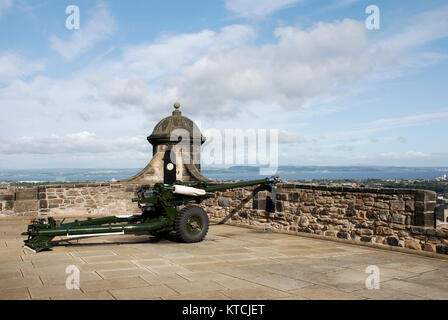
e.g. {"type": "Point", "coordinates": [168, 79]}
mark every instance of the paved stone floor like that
{"type": "Point", "coordinates": [231, 263]}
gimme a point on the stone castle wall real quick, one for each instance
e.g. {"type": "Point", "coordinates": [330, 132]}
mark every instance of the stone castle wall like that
{"type": "Point", "coordinates": [69, 199]}
{"type": "Point", "coordinates": [393, 217]}
{"type": "Point", "coordinates": [390, 217]}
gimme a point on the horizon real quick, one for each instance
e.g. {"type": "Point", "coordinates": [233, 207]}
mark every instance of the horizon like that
{"type": "Point", "coordinates": [233, 173]}
{"type": "Point", "coordinates": [229, 167]}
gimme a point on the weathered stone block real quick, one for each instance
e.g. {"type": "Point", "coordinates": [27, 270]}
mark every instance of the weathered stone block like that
{"type": "Point", "coordinates": [425, 219]}
{"type": "Point", "coordinates": [392, 241]}
{"type": "Point", "coordinates": [9, 205]}
{"type": "Point", "coordinates": [321, 211]}
{"type": "Point", "coordinates": [330, 233]}
{"type": "Point", "coordinates": [399, 218]}
{"type": "Point", "coordinates": [442, 249]}
{"type": "Point", "coordinates": [351, 211]}
{"type": "Point", "coordinates": [381, 205]}
{"type": "Point", "coordinates": [384, 215]}
{"type": "Point", "coordinates": [25, 205]}
{"type": "Point", "coordinates": [343, 235]}
{"type": "Point", "coordinates": [43, 204]}
{"type": "Point", "coordinates": [397, 205]}
{"type": "Point", "coordinates": [56, 201]}
{"type": "Point", "coordinates": [294, 196]}
{"type": "Point", "coordinates": [412, 244]}
{"type": "Point", "coordinates": [304, 222]}
{"type": "Point", "coordinates": [409, 205]}
{"type": "Point", "coordinates": [430, 206]}
{"type": "Point", "coordinates": [259, 204]}
{"type": "Point", "coordinates": [372, 215]}
{"type": "Point", "coordinates": [26, 194]}
{"type": "Point", "coordinates": [366, 232]}
{"type": "Point", "coordinates": [383, 231]}
{"type": "Point", "coordinates": [424, 195]}
{"type": "Point", "coordinates": [6, 197]}
{"type": "Point", "coordinates": [282, 196]}
{"type": "Point", "coordinates": [418, 230]}
{"type": "Point", "coordinates": [429, 247]}
{"type": "Point", "coordinates": [279, 206]}
{"type": "Point", "coordinates": [224, 202]}
{"type": "Point", "coordinates": [379, 239]}
{"type": "Point", "coordinates": [437, 233]}
{"type": "Point", "coordinates": [229, 194]}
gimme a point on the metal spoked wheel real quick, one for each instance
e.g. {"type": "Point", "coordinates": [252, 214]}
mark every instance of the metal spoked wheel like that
{"type": "Point", "coordinates": [191, 224]}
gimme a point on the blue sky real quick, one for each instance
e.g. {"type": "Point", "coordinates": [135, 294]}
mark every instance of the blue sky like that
{"type": "Point", "coordinates": [340, 94]}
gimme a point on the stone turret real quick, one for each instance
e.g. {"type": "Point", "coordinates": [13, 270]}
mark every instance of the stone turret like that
{"type": "Point", "coordinates": [176, 142]}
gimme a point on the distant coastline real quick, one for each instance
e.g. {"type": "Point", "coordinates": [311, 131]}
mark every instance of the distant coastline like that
{"type": "Point", "coordinates": [233, 173]}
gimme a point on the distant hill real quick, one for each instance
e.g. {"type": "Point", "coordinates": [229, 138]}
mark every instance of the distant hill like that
{"type": "Point", "coordinates": [232, 173]}
{"type": "Point", "coordinates": [329, 172]}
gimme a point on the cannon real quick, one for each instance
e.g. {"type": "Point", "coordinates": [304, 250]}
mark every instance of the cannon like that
{"type": "Point", "coordinates": [159, 215]}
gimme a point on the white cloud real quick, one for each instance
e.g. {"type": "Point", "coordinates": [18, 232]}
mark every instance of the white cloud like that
{"type": "Point", "coordinates": [98, 27]}
{"type": "Point", "coordinates": [401, 52]}
{"type": "Point", "coordinates": [344, 147]}
{"type": "Point", "coordinates": [258, 8]}
{"type": "Point", "coordinates": [74, 143]}
{"type": "Point", "coordinates": [168, 54]}
{"type": "Point", "coordinates": [13, 67]}
{"type": "Point", "coordinates": [285, 137]}
{"type": "Point", "coordinates": [343, 3]}
{"type": "Point", "coordinates": [406, 155]}
{"type": "Point", "coordinates": [4, 5]}
{"type": "Point", "coordinates": [122, 92]}
{"type": "Point", "coordinates": [390, 123]}
{"type": "Point", "coordinates": [422, 29]}
{"type": "Point", "coordinates": [301, 65]}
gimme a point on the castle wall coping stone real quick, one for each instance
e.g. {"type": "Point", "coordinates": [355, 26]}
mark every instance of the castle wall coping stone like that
{"type": "Point", "coordinates": [422, 195]}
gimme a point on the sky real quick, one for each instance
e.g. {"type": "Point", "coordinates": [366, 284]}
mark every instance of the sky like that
{"type": "Point", "coordinates": [338, 93]}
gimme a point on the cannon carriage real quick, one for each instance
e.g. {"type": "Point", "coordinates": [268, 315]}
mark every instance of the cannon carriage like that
{"type": "Point", "coordinates": [160, 215]}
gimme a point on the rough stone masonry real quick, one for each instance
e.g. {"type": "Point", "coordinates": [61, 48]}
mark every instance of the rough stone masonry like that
{"type": "Point", "coordinates": [390, 217]}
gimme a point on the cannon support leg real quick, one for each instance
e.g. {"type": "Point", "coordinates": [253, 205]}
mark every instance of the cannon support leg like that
{"type": "Point", "coordinates": [41, 234]}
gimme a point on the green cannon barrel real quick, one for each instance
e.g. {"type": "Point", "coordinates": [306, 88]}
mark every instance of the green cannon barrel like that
{"type": "Point", "coordinates": [240, 184]}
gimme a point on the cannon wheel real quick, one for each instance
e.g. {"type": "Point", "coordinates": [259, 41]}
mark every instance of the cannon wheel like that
{"type": "Point", "coordinates": [191, 224]}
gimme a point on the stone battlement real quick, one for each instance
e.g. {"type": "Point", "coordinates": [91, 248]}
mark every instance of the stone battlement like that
{"type": "Point", "coordinates": [393, 217]}
{"type": "Point", "coordinates": [390, 217]}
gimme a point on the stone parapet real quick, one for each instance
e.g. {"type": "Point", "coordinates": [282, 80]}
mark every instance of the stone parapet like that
{"type": "Point", "coordinates": [73, 199]}
{"type": "Point", "coordinates": [393, 217]}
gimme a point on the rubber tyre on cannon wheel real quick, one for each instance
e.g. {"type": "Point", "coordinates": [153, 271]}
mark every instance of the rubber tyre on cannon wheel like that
{"type": "Point", "coordinates": [191, 224]}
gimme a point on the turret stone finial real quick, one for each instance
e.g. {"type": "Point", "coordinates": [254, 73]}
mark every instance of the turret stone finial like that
{"type": "Point", "coordinates": [176, 111]}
